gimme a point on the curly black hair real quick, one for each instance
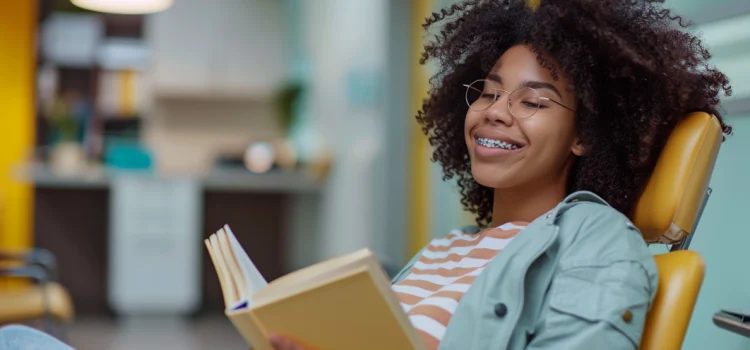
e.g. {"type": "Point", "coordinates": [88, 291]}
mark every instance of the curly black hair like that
{"type": "Point", "coordinates": [633, 68]}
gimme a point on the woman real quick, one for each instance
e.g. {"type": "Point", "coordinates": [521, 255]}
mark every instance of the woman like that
{"type": "Point", "coordinates": [551, 119]}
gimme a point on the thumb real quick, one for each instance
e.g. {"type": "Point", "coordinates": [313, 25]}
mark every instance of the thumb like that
{"type": "Point", "coordinates": [283, 343]}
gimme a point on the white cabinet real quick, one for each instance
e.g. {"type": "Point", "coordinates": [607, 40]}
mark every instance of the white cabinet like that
{"type": "Point", "coordinates": [223, 47]}
{"type": "Point", "coordinates": [155, 246]}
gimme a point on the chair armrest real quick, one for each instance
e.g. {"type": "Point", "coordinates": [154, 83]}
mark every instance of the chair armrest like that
{"type": "Point", "coordinates": [34, 272]}
{"type": "Point", "coordinates": [34, 257]}
{"type": "Point", "coordinates": [41, 275]}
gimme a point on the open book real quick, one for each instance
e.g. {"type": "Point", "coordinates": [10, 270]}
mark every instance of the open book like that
{"type": "Point", "coordinates": [342, 303]}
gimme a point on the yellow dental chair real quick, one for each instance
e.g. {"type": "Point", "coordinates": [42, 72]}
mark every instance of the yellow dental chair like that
{"type": "Point", "coordinates": [43, 299]}
{"type": "Point", "coordinates": [668, 212]}
{"type": "Point", "coordinates": [39, 297]}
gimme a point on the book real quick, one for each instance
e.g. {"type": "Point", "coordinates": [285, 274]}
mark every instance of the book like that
{"type": "Point", "coordinates": [342, 303]}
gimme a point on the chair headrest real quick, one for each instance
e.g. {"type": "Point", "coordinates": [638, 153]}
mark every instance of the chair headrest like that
{"type": "Point", "coordinates": [669, 206]}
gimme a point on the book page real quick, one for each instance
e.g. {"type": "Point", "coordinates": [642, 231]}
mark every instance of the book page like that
{"type": "Point", "coordinates": [230, 293]}
{"type": "Point", "coordinates": [253, 278]}
{"type": "Point", "coordinates": [219, 273]}
{"type": "Point", "coordinates": [234, 269]}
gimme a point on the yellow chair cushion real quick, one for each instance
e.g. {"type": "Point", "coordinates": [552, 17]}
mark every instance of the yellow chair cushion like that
{"type": "Point", "coordinates": [668, 208]}
{"type": "Point", "coordinates": [680, 278]}
{"type": "Point", "coordinates": [25, 303]}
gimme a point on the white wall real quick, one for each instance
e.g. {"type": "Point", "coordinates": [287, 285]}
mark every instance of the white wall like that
{"type": "Point", "coordinates": [393, 163]}
{"type": "Point", "coordinates": [213, 68]}
{"type": "Point", "coordinates": [347, 45]}
{"type": "Point", "coordinates": [220, 46]}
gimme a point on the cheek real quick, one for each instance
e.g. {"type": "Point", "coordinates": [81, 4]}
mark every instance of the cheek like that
{"type": "Point", "coordinates": [470, 122]}
{"type": "Point", "coordinates": [546, 135]}
{"type": "Point", "coordinates": [549, 139]}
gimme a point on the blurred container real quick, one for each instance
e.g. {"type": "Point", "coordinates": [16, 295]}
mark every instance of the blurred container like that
{"type": "Point", "coordinates": [126, 154]}
{"type": "Point", "coordinates": [122, 94]}
{"type": "Point", "coordinates": [68, 159]}
{"type": "Point", "coordinates": [71, 39]}
{"type": "Point", "coordinates": [123, 89]}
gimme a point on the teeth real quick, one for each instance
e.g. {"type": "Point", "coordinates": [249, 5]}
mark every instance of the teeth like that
{"type": "Point", "coordinates": [495, 143]}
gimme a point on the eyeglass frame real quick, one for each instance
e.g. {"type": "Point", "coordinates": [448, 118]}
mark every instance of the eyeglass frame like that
{"type": "Point", "coordinates": [468, 86]}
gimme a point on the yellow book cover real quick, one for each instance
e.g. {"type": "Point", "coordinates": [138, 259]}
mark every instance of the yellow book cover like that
{"type": "Point", "coordinates": [342, 303]}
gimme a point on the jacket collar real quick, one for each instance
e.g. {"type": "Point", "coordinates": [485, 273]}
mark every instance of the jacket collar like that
{"type": "Point", "coordinates": [585, 196]}
{"type": "Point", "coordinates": [569, 201]}
{"type": "Point", "coordinates": [551, 216]}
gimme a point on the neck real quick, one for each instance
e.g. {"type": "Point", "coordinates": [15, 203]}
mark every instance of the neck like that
{"type": "Point", "coordinates": [526, 204]}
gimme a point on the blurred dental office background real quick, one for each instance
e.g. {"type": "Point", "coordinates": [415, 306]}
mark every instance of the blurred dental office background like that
{"type": "Point", "coordinates": [129, 134]}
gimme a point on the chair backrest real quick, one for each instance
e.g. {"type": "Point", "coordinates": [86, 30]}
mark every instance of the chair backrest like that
{"type": "Point", "coordinates": [667, 212]}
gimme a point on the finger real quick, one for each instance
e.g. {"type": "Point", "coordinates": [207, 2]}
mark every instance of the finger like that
{"type": "Point", "coordinates": [276, 340]}
{"type": "Point", "coordinates": [283, 343]}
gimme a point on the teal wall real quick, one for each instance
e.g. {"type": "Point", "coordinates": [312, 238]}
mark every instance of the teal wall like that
{"type": "Point", "coordinates": [723, 239]}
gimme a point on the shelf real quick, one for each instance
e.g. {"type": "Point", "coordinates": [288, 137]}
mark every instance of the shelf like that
{"type": "Point", "coordinates": [213, 95]}
{"type": "Point", "coordinates": [273, 181]}
{"type": "Point", "coordinates": [42, 176]}
{"type": "Point", "coordinates": [219, 179]}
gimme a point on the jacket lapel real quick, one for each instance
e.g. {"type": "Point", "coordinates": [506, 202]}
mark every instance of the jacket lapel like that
{"type": "Point", "coordinates": [502, 281]}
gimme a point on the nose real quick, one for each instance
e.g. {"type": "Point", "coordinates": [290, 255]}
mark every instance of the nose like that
{"type": "Point", "coordinates": [498, 112]}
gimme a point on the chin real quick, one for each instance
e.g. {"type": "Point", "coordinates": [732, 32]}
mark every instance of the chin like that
{"type": "Point", "coordinates": [493, 177]}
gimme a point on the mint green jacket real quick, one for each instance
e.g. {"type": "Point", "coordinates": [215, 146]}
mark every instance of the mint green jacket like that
{"type": "Point", "coordinates": [579, 277]}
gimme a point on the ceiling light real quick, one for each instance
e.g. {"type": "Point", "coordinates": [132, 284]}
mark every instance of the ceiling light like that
{"type": "Point", "coordinates": [128, 7]}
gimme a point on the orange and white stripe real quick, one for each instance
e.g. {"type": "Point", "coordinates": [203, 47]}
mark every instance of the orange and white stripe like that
{"type": "Point", "coordinates": [431, 290]}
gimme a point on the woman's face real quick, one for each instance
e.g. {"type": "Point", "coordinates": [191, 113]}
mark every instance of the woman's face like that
{"type": "Point", "coordinates": [508, 152]}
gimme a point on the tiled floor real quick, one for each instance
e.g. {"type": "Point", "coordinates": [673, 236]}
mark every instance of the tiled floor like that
{"type": "Point", "coordinates": [208, 332]}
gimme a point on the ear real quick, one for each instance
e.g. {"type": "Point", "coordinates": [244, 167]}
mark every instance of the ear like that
{"type": "Point", "coordinates": [578, 149]}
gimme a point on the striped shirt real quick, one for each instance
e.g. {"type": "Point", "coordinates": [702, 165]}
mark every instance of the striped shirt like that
{"type": "Point", "coordinates": [431, 290]}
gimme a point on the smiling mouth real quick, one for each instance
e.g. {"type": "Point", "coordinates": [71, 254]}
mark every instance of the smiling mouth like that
{"type": "Point", "coordinates": [490, 143]}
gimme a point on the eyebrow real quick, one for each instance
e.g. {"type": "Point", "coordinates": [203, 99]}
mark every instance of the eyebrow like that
{"type": "Point", "coordinates": [542, 85]}
{"type": "Point", "coordinates": [528, 83]}
{"type": "Point", "coordinates": [496, 78]}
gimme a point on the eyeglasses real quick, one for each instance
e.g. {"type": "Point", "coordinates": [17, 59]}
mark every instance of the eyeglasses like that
{"type": "Point", "coordinates": [522, 103]}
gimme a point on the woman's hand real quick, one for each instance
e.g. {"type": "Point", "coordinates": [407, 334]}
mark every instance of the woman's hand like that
{"type": "Point", "coordinates": [283, 343]}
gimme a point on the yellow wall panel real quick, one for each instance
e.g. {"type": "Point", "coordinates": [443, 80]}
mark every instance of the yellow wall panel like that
{"type": "Point", "coordinates": [17, 121]}
{"type": "Point", "coordinates": [419, 179]}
